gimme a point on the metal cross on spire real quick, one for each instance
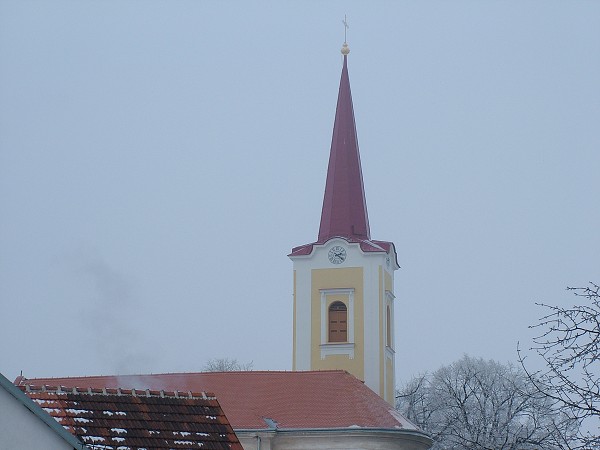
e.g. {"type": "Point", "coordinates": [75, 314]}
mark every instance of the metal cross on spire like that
{"type": "Point", "coordinates": [345, 48]}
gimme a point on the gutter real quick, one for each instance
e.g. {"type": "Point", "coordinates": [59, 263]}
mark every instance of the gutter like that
{"type": "Point", "coordinates": [357, 428]}
{"type": "Point", "coordinates": [416, 435]}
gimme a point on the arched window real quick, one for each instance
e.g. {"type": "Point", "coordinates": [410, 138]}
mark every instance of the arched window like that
{"type": "Point", "coordinates": [338, 322]}
{"type": "Point", "coordinates": [388, 338]}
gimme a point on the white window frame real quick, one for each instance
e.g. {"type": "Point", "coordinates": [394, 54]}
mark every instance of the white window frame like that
{"type": "Point", "coordinates": [334, 348]}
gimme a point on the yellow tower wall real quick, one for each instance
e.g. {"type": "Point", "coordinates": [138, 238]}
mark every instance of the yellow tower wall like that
{"type": "Point", "coordinates": [342, 278]}
{"type": "Point", "coordinates": [365, 283]}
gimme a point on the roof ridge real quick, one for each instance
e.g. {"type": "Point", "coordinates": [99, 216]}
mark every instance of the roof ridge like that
{"type": "Point", "coordinates": [63, 390]}
{"type": "Point", "coordinates": [21, 380]}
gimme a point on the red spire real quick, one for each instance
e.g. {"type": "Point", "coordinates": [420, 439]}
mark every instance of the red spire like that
{"type": "Point", "coordinates": [344, 206]}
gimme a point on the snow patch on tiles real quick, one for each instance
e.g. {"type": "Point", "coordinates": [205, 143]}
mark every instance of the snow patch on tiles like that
{"type": "Point", "coordinates": [93, 438]}
{"type": "Point", "coordinates": [81, 420]}
{"type": "Point", "coordinates": [51, 410]}
{"type": "Point", "coordinates": [78, 411]}
{"type": "Point", "coordinates": [118, 430]}
{"type": "Point", "coordinates": [182, 433]}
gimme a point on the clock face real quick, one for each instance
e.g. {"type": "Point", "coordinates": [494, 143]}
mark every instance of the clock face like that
{"type": "Point", "coordinates": [337, 254]}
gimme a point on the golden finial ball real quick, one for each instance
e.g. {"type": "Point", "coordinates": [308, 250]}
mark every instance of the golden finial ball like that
{"type": "Point", "coordinates": [345, 49]}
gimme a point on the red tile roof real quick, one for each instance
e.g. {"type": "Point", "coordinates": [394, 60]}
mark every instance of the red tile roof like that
{"type": "Point", "coordinates": [124, 419]}
{"type": "Point", "coordinates": [292, 400]}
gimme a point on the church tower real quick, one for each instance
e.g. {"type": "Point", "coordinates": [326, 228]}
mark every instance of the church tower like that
{"type": "Point", "coordinates": [344, 282]}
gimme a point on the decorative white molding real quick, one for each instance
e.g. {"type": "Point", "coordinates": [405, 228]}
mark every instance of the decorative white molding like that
{"type": "Point", "coordinates": [324, 319]}
{"type": "Point", "coordinates": [389, 295]}
{"type": "Point", "coordinates": [389, 301]}
{"type": "Point", "coordinates": [303, 320]}
{"type": "Point", "coordinates": [338, 349]}
{"type": "Point", "coordinates": [389, 353]}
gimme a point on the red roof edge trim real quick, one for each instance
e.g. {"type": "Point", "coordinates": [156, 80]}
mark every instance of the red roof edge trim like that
{"type": "Point", "coordinates": [367, 246]}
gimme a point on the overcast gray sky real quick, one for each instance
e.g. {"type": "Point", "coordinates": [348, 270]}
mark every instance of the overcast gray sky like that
{"type": "Point", "coordinates": [159, 160]}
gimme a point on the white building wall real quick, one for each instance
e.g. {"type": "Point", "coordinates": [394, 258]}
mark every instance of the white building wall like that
{"type": "Point", "coordinates": [372, 315]}
{"type": "Point", "coordinates": [20, 429]}
{"type": "Point", "coordinates": [340, 439]}
{"type": "Point", "coordinates": [303, 318]}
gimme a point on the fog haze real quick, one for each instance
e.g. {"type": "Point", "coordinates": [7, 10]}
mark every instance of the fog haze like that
{"type": "Point", "coordinates": [159, 160]}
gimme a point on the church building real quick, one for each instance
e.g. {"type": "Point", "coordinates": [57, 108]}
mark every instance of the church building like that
{"type": "Point", "coordinates": [340, 392]}
{"type": "Point", "coordinates": [344, 282]}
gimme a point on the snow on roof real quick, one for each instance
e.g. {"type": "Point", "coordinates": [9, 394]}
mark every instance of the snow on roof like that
{"type": "Point", "coordinates": [114, 419]}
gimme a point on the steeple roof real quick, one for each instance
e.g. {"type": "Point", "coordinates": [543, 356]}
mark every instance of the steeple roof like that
{"type": "Point", "coordinates": [344, 210]}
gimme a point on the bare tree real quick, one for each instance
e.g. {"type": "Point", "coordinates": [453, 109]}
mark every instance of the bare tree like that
{"type": "Point", "coordinates": [569, 345]}
{"type": "Point", "coordinates": [226, 365]}
{"type": "Point", "coordinates": [476, 404]}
